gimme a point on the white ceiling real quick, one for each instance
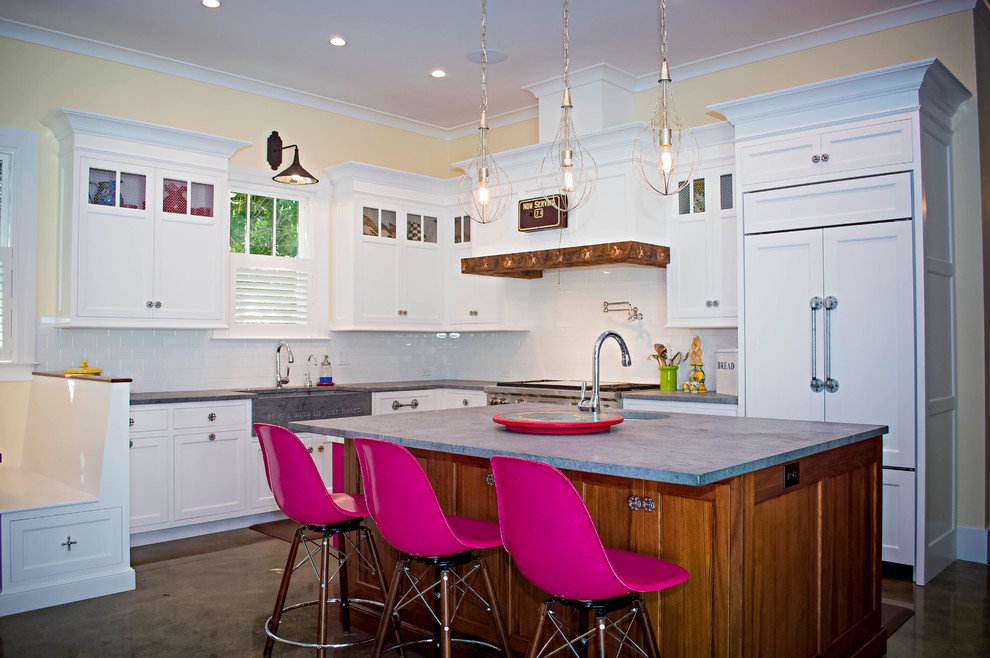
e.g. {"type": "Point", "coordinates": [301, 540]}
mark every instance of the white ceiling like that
{"type": "Point", "coordinates": [280, 48]}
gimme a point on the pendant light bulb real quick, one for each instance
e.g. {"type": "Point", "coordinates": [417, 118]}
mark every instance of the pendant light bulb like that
{"type": "Point", "coordinates": [666, 154]}
{"type": "Point", "coordinates": [483, 190]}
{"type": "Point", "coordinates": [568, 172]}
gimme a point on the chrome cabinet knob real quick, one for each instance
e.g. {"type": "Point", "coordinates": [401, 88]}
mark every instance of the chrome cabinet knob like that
{"type": "Point", "coordinates": [824, 157]}
{"type": "Point", "coordinates": [211, 417]}
{"type": "Point", "coordinates": [490, 479]}
{"type": "Point", "coordinates": [649, 504]}
{"type": "Point", "coordinates": [130, 444]}
{"type": "Point", "coordinates": [130, 422]}
{"type": "Point", "coordinates": [815, 159]}
{"type": "Point", "coordinates": [635, 503]}
{"type": "Point", "coordinates": [158, 304]}
{"type": "Point", "coordinates": [310, 450]}
{"type": "Point", "coordinates": [464, 402]}
{"type": "Point", "coordinates": [212, 437]}
{"type": "Point", "coordinates": [715, 303]}
{"type": "Point", "coordinates": [708, 303]}
{"type": "Point", "coordinates": [149, 304]}
{"type": "Point", "coordinates": [320, 449]}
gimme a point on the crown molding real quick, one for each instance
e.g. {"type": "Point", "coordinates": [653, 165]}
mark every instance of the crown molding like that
{"type": "Point", "coordinates": [884, 20]}
{"type": "Point", "coordinates": [919, 11]}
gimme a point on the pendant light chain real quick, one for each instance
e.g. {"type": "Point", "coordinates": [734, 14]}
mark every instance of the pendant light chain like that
{"type": "Point", "coordinates": [568, 173]}
{"type": "Point", "coordinates": [484, 190]}
{"type": "Point", "coordinates": [567, 50]}
{"type": "Point", "coordinates": [666, 154]}
{"type": "Point", "coordinates": [484, 57]}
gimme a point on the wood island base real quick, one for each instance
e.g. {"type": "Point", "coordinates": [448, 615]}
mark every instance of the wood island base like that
{"type": "Point", "coordinates": [784, 561]}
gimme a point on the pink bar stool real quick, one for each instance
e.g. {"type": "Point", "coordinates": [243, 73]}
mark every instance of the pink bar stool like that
{"type": "Point", "coordinates": [556, 546]}
{"type": "Point", "coordinates": [302, 496]}
{"type": "Point", "coordinates": [405, 508]}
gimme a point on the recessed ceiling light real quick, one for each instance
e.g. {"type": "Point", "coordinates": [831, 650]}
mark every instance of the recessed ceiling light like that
{"type": "Point", "coordinates": [438, 73]}
{"type": "Point", "coordinates": [338, 41]}
{"type": "Point", "coordinates": [495, 56]}
{"type": "Point", "coordinates": [211, 4]}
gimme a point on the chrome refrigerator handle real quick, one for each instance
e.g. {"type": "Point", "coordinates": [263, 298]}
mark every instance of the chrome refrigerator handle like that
{"type": "Point", "coordinates": [816, 384]}
{"type": "Point", "coordinates": [831, 385]}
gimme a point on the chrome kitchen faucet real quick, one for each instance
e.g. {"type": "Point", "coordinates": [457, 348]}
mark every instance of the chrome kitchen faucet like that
{"type": "Point", "coordinates": [279, 379]}
{"type": "Point", "coordinates": [595, 404]}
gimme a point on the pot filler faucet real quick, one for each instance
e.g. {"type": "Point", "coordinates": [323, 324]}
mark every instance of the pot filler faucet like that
{"type": "Point", "coordinates": [595, 404]}
{"type": "Point", "coordinates": [279, 379]}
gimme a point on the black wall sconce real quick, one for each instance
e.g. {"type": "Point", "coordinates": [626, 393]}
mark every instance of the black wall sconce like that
{"type": "Point", "coordinates": [294, 174]}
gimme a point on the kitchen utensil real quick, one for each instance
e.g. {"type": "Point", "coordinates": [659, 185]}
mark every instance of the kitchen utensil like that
{"type": "Point", "coordinates": [676, 359]}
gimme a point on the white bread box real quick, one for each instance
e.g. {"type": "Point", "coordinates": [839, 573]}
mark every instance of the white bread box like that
{"type": "Point", "coordinates": [726, 380]}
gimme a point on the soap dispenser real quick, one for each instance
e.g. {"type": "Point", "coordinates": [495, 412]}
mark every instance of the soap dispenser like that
{"type": "Point", "coordinates": [326, 372]}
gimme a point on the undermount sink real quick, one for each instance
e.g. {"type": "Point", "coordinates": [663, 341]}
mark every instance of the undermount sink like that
{"type": "Point", "coordinates": [281, 406]}
{"type": "Point", "coordinates": [297, 390]}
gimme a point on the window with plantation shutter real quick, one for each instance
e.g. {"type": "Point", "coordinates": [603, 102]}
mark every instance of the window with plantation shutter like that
{"type": "Point", "coordinates": [273, 281]}
{"type": "Point", "coordinates": [271, 294]}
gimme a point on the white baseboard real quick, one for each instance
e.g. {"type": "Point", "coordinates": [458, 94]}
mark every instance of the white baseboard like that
{"type": "Point", "coordinates": [971, 544]}
{"type": "Point", "coordinates": [207, 528]}
{"type": "Point", "coordinates": [120, 580]}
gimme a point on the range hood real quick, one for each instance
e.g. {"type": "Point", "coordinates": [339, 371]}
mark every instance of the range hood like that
{"type": "Point", "coordinates": [531, 264]}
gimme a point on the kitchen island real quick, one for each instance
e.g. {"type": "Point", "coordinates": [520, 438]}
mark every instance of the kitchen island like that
{"type": "Point", "coordinates": [777, 521]}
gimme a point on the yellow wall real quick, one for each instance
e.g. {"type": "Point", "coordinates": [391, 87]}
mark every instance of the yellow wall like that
{"type": "Point", "coordinates": [36, 80]}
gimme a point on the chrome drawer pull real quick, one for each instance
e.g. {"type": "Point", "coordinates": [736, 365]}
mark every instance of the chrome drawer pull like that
{"type": "Point", "coordinates": [69, 543]}
{"type": "Point", "coordinates": [396, 405]}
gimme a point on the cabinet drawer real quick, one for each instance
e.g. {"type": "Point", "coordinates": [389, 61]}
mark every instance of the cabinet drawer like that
{"type": "Point", "coordinates": [856, 201]}
{"type": "Point", "coordinates": [148, 420]}
{"type": "Point", "coordinates": [47, 546]}
{"type": "Point", "coordinates": [210, 416]}
{"type": "Point", "coordinates": [405, 402]}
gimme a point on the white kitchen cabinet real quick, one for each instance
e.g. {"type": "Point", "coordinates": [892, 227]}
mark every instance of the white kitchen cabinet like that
{"type": "Point", "coordinates": [702, 277]}
{"type": "Point", "coordinates": [864, 346]}
{"type": "Point", "coordinates": [827, 153]}
{"type": "Point", "coordinates": [193, 462]}
{"type": "Point", "coordinates": [455, 398]}
{"type": "Point", "coordinates": [892, 324]}
{"type": "Point", "coordinates": [681, 407]}
{"type": "Point", "coordinates": [401, 402]}
{"type": "Point", "coordinates": [399, 266]}
{"type": "Point", "coordinates": [144, 216]}
{"type": "Point", "coordinates": [472, 299]}
{"type": "Point", "coordinates": [60, 545]}
{"type": "Point", "coordinates": [897, 532]}
{"type": "Point", "coordinates": [151, 480]}
{"type": "Point", "coordinates": [210, 470]}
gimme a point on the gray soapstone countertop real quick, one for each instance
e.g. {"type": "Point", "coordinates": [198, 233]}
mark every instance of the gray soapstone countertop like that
{"type": "Point", "coordinates": [687, 449]}
{"type": "Point", "coordinates": [161, 397]}
{"type": "Point", "coordinates": [680, 396]}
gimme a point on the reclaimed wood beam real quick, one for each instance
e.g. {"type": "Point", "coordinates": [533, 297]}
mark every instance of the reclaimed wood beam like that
{"type": "Point", "coordinates": [531, 264]}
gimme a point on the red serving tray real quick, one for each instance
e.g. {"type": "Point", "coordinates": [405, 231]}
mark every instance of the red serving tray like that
{"type": "Point", "coordinates": [557, 422]}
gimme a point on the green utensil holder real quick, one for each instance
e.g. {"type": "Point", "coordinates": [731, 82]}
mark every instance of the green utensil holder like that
{"type": "Point", "coordinates": [668, 378]}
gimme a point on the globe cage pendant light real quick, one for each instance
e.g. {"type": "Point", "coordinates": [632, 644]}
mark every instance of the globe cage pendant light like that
{"type": "Point", "coordinates": [568, 172]}
{"type": "Point", "coordinates": [483, 190]}
{"type": "Point", "coordinates": [666, 154]}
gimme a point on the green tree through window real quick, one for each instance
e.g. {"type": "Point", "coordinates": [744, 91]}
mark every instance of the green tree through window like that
{"type": "Point", "coordinates": [264, 225]}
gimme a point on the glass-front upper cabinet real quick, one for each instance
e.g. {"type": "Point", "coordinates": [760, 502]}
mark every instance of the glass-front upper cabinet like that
{"type": "Point", "coordinates": [182, 196]}
{"type": "Point", "coordinates": [117, 188]}
{"type": "Point", "coordinates": [421, 228]}
{"type": "Point", "coordinates": [378, 222]}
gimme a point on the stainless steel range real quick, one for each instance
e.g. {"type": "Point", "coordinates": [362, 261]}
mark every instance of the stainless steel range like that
{"type": "Point", "coordinates": [557, 391]}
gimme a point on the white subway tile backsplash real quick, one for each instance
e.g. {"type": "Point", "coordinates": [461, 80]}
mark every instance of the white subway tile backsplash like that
{"type": "Point", "coordinates": [565, 314]}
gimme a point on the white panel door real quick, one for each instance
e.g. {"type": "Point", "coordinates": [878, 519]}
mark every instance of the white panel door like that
{"type": "Point", "coordinates": [210, 473]}
{"type": "Point", "coordinates": [869, 272]}
{"type": "Point", "coordinates": [783, 272]}
{"type": "Point", "coordinates": [190, 258]}
{"type": "Point", "coordinates": [151, 476]}
{"type": "Point", "coordinates": [897, 534]}
{"type": "Point", "coordinates": [420, 284]}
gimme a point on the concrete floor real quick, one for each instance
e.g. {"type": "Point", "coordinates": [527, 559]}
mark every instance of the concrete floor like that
{"type": "Point", "coordinates": [209, 596]}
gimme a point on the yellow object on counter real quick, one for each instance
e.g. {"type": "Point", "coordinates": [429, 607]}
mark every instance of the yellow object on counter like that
{"type": "Point", "coordinates": [83, 369]}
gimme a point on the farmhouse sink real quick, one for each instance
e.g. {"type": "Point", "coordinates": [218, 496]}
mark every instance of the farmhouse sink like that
{"type": "Point", "coordinates": [281, 406]}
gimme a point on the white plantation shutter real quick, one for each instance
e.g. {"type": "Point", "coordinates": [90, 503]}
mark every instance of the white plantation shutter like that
{"type": "Point", "coordinates": [271, 290]}
{"type": "Point", "coordinates": [6, 303]}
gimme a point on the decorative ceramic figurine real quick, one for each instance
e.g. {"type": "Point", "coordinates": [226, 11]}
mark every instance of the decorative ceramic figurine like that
{"type": "Point", "coordinates": [696, 379]}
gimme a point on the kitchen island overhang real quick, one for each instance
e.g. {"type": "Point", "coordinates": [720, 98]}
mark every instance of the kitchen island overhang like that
{"type": "Point", "coordinates": [686, 449]}
{"type": "Point", "coordinates": [778, 522]}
